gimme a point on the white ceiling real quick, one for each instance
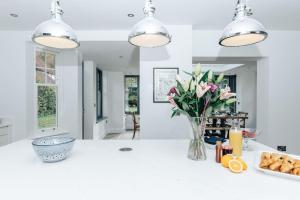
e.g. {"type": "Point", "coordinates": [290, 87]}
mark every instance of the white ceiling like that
{"type": "Point", "coordinates": [218, 68]}
{"type": "Point", "coordinates": [112, 56]}
{"type": "Point", "coordinates": [112, 14]}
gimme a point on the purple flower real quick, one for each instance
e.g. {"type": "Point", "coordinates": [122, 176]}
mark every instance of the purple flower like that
{"type": "Point", "coordinates": [173, 91]}
{"type": "Point", "coordinates": [213, 87]}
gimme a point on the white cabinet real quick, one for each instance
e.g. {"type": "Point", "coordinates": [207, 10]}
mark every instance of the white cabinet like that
{"type": "Point", "coordinates": [99, 130]}
{"type": "Point", "coordinates": [5, 131]}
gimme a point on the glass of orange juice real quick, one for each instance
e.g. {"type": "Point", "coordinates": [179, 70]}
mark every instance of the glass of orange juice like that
{"type": "Point", "coordinates": [236, 141]}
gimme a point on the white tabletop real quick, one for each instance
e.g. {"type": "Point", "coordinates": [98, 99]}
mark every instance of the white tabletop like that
{"type": "Point", "coordinates": [155, 169]}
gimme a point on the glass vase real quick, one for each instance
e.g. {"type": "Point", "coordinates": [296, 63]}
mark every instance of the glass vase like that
{"type": "Point", "coordinates": [197, 150]}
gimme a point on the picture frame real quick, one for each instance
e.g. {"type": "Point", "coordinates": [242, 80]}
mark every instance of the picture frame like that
{"type": "Point", "coordinates": [163, 80]}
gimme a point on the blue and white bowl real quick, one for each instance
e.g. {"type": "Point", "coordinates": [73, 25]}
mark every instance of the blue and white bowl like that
{"type": "Point", "coordinates": [53, 148]}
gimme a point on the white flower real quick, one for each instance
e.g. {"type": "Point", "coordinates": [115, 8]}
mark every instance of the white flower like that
{"type": "Point", "coordinates": [210, 76]}
{"type": "Point", "coordinates": [186, 85]}
{"type": "Point", "coordinates": [226, 94]}
{"type": "Point", "coordinates": [193, 86]}
{"type": "Point", "coordinates": [178, 78]}
{"type": "Point", "coordinates": [197, 69]}
{"type": "Point", "coordinates": [202, 88]}
{"type": "Point", "coordinates": [220, 78]}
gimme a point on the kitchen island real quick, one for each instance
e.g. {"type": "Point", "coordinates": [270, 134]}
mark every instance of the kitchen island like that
{"type": "Point", "coordinates": [155, 169]}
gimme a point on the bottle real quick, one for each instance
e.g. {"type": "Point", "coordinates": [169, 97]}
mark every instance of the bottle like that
{"type": "Point", "coordinates": [236, 139]}
{"type": "Point", "coordinates": [218, 151]}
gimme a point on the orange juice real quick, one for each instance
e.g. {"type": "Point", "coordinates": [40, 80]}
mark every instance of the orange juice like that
{"type": "Point", "coordinates": [236, 141]}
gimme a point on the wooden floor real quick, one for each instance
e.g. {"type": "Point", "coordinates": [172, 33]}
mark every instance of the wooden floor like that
{"type": "Point", "coordinates": [121, 136]}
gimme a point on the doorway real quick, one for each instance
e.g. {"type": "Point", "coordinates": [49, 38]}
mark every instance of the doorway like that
{"type": "Point", "coordinates": [110, 89]}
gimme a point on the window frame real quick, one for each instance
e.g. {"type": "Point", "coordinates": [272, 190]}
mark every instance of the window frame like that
{"type": "Point", "coordinates": [36, 85]}
{"type": "Point", "coordinates": [99, 86]}
{"type": "Point", "coordinates": [138, 93]}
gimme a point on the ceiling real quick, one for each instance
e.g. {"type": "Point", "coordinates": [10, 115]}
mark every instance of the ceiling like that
{"type": "Point", "coordinates": [112, 56]}
{"type": "Point", "coordinates": [218, 68]}
{"type": "Point", "coordinates": [112, 14]}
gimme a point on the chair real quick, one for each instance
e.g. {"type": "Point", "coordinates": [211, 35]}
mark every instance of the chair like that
{"type": "Point", "coordinates": [136, 125]}
{"type": "Point", "coordinates": [242, 118]}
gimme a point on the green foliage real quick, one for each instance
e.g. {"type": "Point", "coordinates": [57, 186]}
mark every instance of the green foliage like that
{"type": "Point", "coordinates": [46, 101]}
{"type": "Point", "coordinates": [47, 121]}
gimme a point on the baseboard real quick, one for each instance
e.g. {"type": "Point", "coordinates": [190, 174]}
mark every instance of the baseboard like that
{"type": "Point", "coordinates": [115, 130]}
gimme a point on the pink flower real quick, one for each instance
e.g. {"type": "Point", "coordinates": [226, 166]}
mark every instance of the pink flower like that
{"type": "Point", "coordinates": [173, 91]}
{"type": "Point", "coordinates": [201, 89]}
{"type": "Point", "coordinates": [172, 102]}
{"type": "Point", "coordinates": [226, 94]}
{"type": "Point", "coordinates": [213, 87]}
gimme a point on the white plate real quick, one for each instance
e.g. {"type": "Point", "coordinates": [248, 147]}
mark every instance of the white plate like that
{"type": "Point", "coordinates": [273, 173]}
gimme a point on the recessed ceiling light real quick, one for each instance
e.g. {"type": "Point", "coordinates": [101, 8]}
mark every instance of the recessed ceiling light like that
{"type": "Point", "coordinates": [14, 15]}
{"type": "Point", "coordinates": [120, 57]}
{"type": "Point", "coordinates": [130, 15]}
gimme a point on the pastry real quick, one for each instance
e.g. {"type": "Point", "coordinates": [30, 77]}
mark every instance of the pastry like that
{"type": "Point", "coordinates": [264, 163]}
{"type": "Point", "coordinates": [265, 155]}
{"type": "Point", "coordinates": [286, 167]}
{"type": "Point", "coordinates": [297, 164]}
{"type": "Point", "coordinates": [275, 157]}
{"type": "Point", "coordinates": [296, 171]}
{"type": "Point", "coordinates": [289, 160]}
{"type": "Point", "coordinates": [280, 162]}
{"type": "Point", "coordinates": [275, 166]}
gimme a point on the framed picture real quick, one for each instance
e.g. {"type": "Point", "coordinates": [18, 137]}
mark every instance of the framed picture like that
{"type": "Point", "coordinates": [163, 80]}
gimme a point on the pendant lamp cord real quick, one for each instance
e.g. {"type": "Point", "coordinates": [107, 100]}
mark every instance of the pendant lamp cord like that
{"type": "Point", "coordinates": [56, 10]}
{"type": "Point", "coordinates": [149, 8]}
{"type": "Point", "coordinates": [242, 9]}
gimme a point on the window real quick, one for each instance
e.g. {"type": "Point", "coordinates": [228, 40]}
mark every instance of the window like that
{"type": "Point", "coordinates": [132, 98]}
{"type": "Point", "coordinates": [46, 90]}
{"type": "Point", "coordinates": [99, 95]}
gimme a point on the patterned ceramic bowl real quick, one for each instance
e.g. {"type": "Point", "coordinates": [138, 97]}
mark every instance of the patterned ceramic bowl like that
{"type": "Point", "coordinates": [53, 148]}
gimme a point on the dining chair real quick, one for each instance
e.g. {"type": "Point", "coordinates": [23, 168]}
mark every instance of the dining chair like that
{"type": "Point", "coordinates": [136, 125]}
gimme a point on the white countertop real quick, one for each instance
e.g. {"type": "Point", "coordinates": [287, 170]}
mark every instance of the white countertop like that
{"type": "Point", "coordinates": [155, 169]}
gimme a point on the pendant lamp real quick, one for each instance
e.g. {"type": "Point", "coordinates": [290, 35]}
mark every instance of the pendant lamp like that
{"type": "Point", "coordinates": [243, 30]}
{"type": "Point", "coordinates": [149, 32]}
{"type": "Point", "coordinates": [55, 33]}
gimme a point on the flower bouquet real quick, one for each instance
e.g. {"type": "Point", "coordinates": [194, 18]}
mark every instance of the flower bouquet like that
{"type": "Point", "coordinates": [197, 98]}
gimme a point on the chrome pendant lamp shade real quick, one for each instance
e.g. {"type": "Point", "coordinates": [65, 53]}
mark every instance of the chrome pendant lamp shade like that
{"type": "Point", "coordinates": [149, 32]}
{"type": "Point", "coordinates": [55, 33]}
{"type": "Point", "coordinates": [243, 30]}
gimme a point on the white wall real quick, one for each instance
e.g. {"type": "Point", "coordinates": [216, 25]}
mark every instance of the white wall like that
{"type": "Point", "coordinates": [278, 83]}
{"type": "Point", "coordinates": [155, 118]}
{"type": "Point", "coordinates": [13, 81]}
{"type": "Point", "coordinates": [115, 101]}
{"type": "Point", "coordinates": [70, 93]}
{"type": "Point", "coordinates": [246, 91]}
{"type": "Point", "coordinates": [89, 98]}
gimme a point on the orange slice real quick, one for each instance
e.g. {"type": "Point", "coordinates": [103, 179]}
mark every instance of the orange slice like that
{"type": "Point", "coordinates": [225, 160]}
{"type": "Point", "coordinates": [235, 166]}
{"type": "Point", "coordinates": [245, 167]}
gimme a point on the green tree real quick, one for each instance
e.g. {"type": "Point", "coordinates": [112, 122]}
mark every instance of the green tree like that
{"type": "Point", "coordinates": [46, 101]}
